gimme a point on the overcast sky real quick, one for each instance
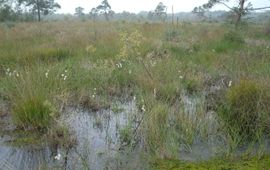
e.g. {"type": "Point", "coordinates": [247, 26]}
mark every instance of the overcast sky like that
{"type": "Point", "coordinates": [68, 6]}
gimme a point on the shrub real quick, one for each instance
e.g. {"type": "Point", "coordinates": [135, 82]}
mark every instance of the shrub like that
{"type": "Point", "coordinates": [47, 55]}
{"type": "Point", "coordinates": [131, 44]}
{"type": "Point", "coordinates": [231, 40]}
{"type": "Point", "coordinates": [54, 54]}
{"type": "Point", "coordinates": [171, 35]}
{"type": "Point", "coordinates": [233, 37]}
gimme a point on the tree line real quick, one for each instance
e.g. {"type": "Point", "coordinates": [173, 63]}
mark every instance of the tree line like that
{"type": "Point", "coordinates": [26, 9]}
{"type": "Point", "coordinates": [36, 9]}
{"type": "Point", "coordinates": [243, 8]}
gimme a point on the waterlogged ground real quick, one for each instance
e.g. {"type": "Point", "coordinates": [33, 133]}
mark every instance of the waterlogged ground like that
{"type": "Point", "coordinates": [98, 143]}
{"type": "Point", "coordinates": [106, 139]}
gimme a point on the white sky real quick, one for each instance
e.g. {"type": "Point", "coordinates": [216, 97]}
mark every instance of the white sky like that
{"type": "Point", "coordinates": [68, 6]}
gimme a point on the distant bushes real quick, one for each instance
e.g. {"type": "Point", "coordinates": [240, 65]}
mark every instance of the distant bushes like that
{"type": "Point", "coordinates": [52, 55]}
{"type": "Point", "coordinates": [170, 35]}
{"type": "Point", "coordinates": [231, 40]}
{"type": "Point", "coordinates": [43, 55]}
{"type": "Point", "coordinates": [233, 37]}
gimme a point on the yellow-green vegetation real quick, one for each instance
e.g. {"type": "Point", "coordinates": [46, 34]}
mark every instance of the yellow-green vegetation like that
{"type": "Point", "coordinates": [170, 70]}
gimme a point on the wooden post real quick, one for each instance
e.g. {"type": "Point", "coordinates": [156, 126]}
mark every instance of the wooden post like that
{"type": "Point", "coordinates": [172, 15]}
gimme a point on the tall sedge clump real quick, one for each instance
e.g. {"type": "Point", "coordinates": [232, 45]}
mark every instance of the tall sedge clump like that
{"type": "Point", "coordinates": [33, 112]}
{"type": "Point", "coordinates": [31, 95]}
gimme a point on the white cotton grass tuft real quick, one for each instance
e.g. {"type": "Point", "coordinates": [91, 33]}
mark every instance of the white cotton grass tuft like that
{"type": "Point", "coordinates": [10, 73]}
{"type": "Point", "coordinates": [143, 108]}
{"type": "Point", "coordinates": [57, 157]}
{"type": "Point", "coordinates": [230, 83]}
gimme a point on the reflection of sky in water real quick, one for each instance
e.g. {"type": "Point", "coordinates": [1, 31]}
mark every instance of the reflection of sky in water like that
{"type": "Point", "coordinates": [98, 145]}
{"type": "Point", "coordinates": [97, 136]}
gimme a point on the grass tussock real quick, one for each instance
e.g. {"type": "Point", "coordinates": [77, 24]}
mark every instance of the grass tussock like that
{"type": "Point", "coordinates": [246, 110]}
{"type": "Point", "coordinates": [33, 112]}
{"type": "Point", "coordinates": [31, 96]}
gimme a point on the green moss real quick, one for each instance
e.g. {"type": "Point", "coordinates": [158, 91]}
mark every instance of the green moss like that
{"type": "Point", "coordinates": [255, 163]}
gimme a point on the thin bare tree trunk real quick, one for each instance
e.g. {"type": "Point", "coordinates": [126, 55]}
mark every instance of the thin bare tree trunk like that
{"type": "Point", "coordinates": [240, 12]}
{"type": "Point", "coordinates": [38, 8]}
{"type": "Point", "coordinates": [172, 15]}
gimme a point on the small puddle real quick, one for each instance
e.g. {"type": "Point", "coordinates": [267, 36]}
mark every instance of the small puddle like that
{"type": "Point", "coordinates": [98, 136]}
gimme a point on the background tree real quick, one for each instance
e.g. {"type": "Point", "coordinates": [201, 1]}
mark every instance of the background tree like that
{"type": "Point", "coordinates": [93, 14]}
{"type": "Point", "coordinates": [105, 8]}
{"type": "Point", "coordinates": [161, 11]}
{"type": "Point", "coordinates": [79, 11]}
{"type": "Point", "coordinates": [150, 15]}
{"type": "Point", "coordinates": [6, 12]}
{"type": "Point", "coordinates": [10, 10]}
{"type": "Point", "coordinates": [200, 11]}
{"type": "Point", "coordinates": [242, 9]}
{"type": "Point", "coordinates": [41, 6]}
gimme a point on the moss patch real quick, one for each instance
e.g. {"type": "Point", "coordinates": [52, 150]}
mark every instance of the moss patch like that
{"type": "Point", "coordinates": [255, 163]}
